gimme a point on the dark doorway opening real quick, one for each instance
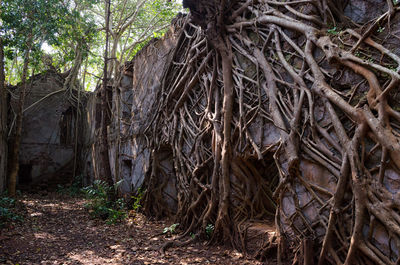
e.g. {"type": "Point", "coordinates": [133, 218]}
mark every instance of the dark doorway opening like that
{"type": "Point", "coordinates": [67, 126]}
{"type": "Point", "coordinates": [25, 174]}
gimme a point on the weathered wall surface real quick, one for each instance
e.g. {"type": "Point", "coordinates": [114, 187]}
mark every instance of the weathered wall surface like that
{"type": "Point", "coordinates": [48, 135]}
{"type": "Point", "coordinates": [132, 106]}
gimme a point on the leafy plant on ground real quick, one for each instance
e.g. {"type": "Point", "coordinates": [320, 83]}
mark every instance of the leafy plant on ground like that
{"type": "Point", "coordinates": [333, 31]}
{"type": "Point", "coordinates": [171, 229]}
{"type": "Point", "coordinates": [75, 189]}
{"type": "Point", "coordinates": [380, 29]}
{"type": "Point", "coordinates": [99, 204]}
{"type": "Point", "coordinates": [209, 230]}
{"type": "Point", "coordinates": [117, 212]}
{"type": "Point", "coordinates": [137, 199]}
{"type": "Point", "coordinates": [7, 212]}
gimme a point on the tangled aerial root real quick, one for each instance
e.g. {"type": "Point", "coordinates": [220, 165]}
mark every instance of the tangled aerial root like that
{"type": "Point", "coordinates": [269, 110]}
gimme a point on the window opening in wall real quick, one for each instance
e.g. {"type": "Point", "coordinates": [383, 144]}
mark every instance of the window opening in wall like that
{"type": "Point", "coordinates": [126, 167]}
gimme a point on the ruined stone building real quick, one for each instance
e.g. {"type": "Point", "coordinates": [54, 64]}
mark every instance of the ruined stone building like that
{"type": "Point", "coordinates": [310, 141]}
{"type": "Point", "coordinates": [49, 130]}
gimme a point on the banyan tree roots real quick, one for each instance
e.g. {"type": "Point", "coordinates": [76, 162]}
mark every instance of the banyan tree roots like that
{"type": "Point", "coordinates": [286, 110]}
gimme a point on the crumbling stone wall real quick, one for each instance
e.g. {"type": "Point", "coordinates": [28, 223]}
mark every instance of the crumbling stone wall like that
{"type": "Point", "coordinates": [48, 134]}
{"type": "Point", "coordinates": [132, 105]}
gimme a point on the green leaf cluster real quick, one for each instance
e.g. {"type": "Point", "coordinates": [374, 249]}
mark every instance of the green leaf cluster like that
{"type": "Point", "coordinates": [209, 230]}
{"type": "Point", "coordinates": [170, 229]}
{"type": "Point", "coordinates": [7, 212]}
{"type": "Point", "coordinates": [100, 206]}
{"type": "Point", "coordinates": [28, 24]}
{"type": "Point", "coordinates": [57, 29]}
{"type": "Point", "coordinates": [136, 205]}
{"type": "Point", "coordinates": [74, 189]}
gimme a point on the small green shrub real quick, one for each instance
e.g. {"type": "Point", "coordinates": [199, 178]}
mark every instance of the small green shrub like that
{"type": "Point", "coordinates": [7, 212]}
{"type": "Point", "coordinates": [380, 29]}
{"type": "Point", "coordinates": [99, 204]}
{"type": "Point", "coordinates": [171, 229]}
{"type": "Point", "coordinates": [209, 230]}
{"type": "Point", "coordinates": [75, 189]}
{"type": "Point", "coordinates": [117, 212]}
{"type": "Point", "coordinates": [137, 199]}
{"type": "Point", "coordinates": [333, 31]}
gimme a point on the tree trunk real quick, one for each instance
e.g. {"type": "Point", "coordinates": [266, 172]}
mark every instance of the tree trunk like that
{"type": "Point", "coordinates": [223, 221]}
{"type": "Point", "coordinates": [14, 161]}
{"type": "Point", "coordinates": [70, 81]}
{"type": "Point", "coordinates": [3, 121]}
{"type": "Point", "coordinates": [113, 66]}
{"type": "Point", "coordinates": [105, 159]}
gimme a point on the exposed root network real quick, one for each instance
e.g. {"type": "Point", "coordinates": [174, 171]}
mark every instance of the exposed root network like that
{"type": "Point", "coordinates": [261, 95]}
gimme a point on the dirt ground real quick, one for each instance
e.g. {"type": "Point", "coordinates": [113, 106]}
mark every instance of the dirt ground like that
{"type": "Point", "coordinates": [57, 229]}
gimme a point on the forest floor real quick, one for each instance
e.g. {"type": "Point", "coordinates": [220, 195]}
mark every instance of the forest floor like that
{"type": "Point", "coordinates": [57, 229]}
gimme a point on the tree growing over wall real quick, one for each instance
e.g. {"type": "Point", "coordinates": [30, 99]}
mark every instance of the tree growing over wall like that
{"type": "Point", "coordinates": [322, 85]}
{"type": "Point", "coordinates": [128, 26]}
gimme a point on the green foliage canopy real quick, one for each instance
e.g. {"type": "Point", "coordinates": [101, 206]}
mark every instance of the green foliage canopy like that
{"type": "Point", "coordinates": [27, 24]}
{"type": "Point", "coordinates": [66, 25]}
